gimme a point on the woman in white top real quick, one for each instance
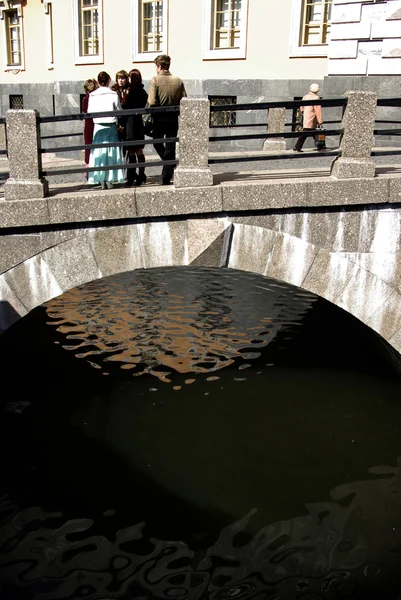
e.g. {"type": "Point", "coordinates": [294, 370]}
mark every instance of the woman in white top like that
{"type": "Point", "coordinates": [105, 131]}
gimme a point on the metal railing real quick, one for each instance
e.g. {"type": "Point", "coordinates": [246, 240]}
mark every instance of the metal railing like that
{"type": "Point", "coordinates": [286, 104]}
{"type": "Point", "coordinates": [122, 114]}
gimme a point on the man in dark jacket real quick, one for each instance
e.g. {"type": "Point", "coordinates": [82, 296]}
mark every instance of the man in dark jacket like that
{"type": "Point", "coordinates": [165, 90]}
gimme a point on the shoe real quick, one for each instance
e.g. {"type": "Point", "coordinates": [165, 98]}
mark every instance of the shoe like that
{"type": "Point", "coordinates": [296, 150]}
{"type": "Point", "coordinates": [103, 185]}
{"type": "Point", "coordinates": [166, 182]}
{"type": "Point", "coordinates": [109, 185]}
{"type": "Point", "coordinates": [140, 180]}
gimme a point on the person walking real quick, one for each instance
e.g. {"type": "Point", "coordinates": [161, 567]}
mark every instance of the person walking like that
{"type": "Point", "coordinates": [133, 127]}
{"type": "Point", "coordinates": [312, 116]}
{"type": "Point", "coordinates": [104, 99]}
{"type": "Point", "coordinates": [165, 90]}
{"type": "Point", "coordinates": [89, 86]}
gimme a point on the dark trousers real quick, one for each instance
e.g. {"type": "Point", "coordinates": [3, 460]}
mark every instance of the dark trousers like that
{"type": "Point", "coordinates": [301, 140]}
{"type": "Point", "coordinates": [166, 151]}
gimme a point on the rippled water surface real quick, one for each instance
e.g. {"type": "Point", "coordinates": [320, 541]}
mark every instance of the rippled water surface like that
{"type": "Point", "coordinates": [195, 434]}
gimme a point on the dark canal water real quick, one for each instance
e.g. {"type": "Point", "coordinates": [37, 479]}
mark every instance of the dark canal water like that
{"type": "Point", "coordinates": [198, 434]}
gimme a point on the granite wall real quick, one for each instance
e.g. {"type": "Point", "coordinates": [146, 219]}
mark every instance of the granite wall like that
{"type": "Point", "coordinates": [63, 98]}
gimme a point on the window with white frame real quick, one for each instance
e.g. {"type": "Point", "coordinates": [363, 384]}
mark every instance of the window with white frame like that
{"type": "Point", "coordinates": [88, 31]}
{"type": "Point", "coordinates": [149, 29]}
{"type": "Point", "coordinates": [310, 27]}
{"type": "Point", "coordinates": [13, 46]}
{"type": "Point", "coordinates": [225, 28]}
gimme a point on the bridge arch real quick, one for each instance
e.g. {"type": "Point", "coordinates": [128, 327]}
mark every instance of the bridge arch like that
{"type": "Point", "coordinates": [95, 253]}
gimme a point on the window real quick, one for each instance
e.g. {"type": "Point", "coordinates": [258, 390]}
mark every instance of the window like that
{"type": "Point", "coordinates": [310, 27]}
{"type": "Point", "coordinates": [316, 22]}
{"type": "Point", "coordinates": [149, 29]}
{"type": "Point", "coordinates": [16, 101]}
{"type": "Point", "coordinates": [88, 31]}
{"type": "Point", "coordinates": [13, 47]}
{"type": "Point", "coordinates": [222, 118]}
{"type": "Point", "coordinates": [225, 28]}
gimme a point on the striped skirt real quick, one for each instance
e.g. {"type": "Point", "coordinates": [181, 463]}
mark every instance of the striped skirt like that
{"type": "Point", "coordinates": [103, 157]}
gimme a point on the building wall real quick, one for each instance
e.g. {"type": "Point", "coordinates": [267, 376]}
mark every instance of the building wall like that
{"type": "Point", "coordinates": [267, 54]}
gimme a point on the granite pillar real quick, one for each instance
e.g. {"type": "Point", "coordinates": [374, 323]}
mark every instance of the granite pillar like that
{"type": "Point", "coordinates": [275, 124]}
{"type": "Point", "coordinates": [193, 133]}
{"type": "Point", "coordinates": [25, 159]}
{"type": "Point", "coordinates": [357, 141]}
{"type": "Point", "coordinates": [3, 140]}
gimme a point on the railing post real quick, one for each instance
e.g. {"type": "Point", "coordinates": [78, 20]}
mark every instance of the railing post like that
{"type": "Point", "coordinates": [356, 143]}
{"type": "Point", "coordinates": [275, 124]}
{"type": "Point", "coordinates": [193, 169]}
{"type": "Point", "coordinates": [25, 159]}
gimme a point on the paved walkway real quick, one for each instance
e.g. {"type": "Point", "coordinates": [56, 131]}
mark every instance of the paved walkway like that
{"type": "Point", "coordinates": [308, 164]}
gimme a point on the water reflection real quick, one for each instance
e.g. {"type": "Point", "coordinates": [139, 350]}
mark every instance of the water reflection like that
{"type": "Point", "coordinates": [255, 456]}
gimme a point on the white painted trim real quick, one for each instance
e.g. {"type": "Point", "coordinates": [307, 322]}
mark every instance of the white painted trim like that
{"type": "Point", "coordinates": [296, 50]}
{"type": "Point", "coordinates": [6, 66]}
{"type": "Point", "coordinates": [94, 59]}
{"type": "Point", "coordinates": [226, 53]}
{"type": "Point", "coordinates": [138, 56]}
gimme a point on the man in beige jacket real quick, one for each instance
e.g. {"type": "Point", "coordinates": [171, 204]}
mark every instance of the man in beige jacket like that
{"type": "Point", "coordinates": [312, 116]}
{"type": "Point", "coordinates": [165, 90]}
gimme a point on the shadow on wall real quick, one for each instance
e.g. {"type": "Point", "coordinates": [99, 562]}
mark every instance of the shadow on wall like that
{"type": "Point", "coordinates": [8, 315]}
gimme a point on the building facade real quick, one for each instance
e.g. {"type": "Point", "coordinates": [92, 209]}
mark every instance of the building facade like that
{"type": "Point", "coordinates": [229, 50]}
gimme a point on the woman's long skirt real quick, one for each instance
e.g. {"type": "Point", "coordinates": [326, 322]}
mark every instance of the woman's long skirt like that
{"type": "Point", "coordinates": [103, 157]}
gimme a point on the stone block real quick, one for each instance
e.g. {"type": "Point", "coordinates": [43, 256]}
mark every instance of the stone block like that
{"type": "Point", "coordinates": [3, 141]}
{"type": "Point", "coordinates": [332, 192]}
{"type": "Point", "coordinates": [346, 168]}
{"type": "Point", "coordinates": [393, 10]}
{"type": "Point", "coordinates": [335, 86]}
{"type": "Point", "coordinates": [343, 49]}
{"type": "Point", "coordinates": [385, 29]}
{"type": "Point", "coordinates": [384, 66]}
{"type": "Point", "coordinates": [186, 177]}
{"type": "Point", "coordinates": [384, 265]}
{"type": "Point", "coordinates": [395, 189]}
{"type": "Point", "coordinates": [23, 137]}
{"type": "Point", "coordinates": [346, 66]}
{"type": "Point", "coordinates": [358, 123]}
{"type": "Point", "coordinates": [117, 249]}
{"type": "Point", "coordinates": [98, 205]}
{"type": "Point", "coordinates": [275, 145]}
{"type": "Point", "coordinates": [269, 194]}
{"type": "Point", "coordinates": [389, 87]}
{"type": "Point", "coordinates": [233, 87]}
{"type": "Point", "coordinates": [72, 263]}
{"type": "Point", "coordinates": [167, 200]}
{"type": "Point", "coordinates": [25, 189]}
{"type": "Point", "coordinates": [350, 31]}
{"type": "Point", "coordinates": [22, 213]}
{"type": "Point", "coordinates": [329, 275]}
{"type": "Point", "coordinates": [370, 49]}
{"type": "Point", "coordinates": [193, 133]}
{"type": "Point", "coordinates": [33, 282]}
{"type": "Point", "coordinates": [11, 307]}
{"type": "Point", "coordinates": [290, 259]}
{"type": "Point", "coordinates": [392, 47]}
{"type": "Point", "coordinates": [163, 244]}
{"type": "Point", "coordinates": [250, 248]}
{"type": "Point", "coordinates": [208, 242]}
{"type": "Point", "coordinates": [346, 13]}
{"type": "Point", "coordinates": [53, 238]}
{"type": "Point", "coordinates": [275, 124]}
{"type": "Point", "coordinates": [14, 249]}
{"type": "Point", "coordinates": [395, 341]}
{"type": "Point", "coordinates": [364, 295]}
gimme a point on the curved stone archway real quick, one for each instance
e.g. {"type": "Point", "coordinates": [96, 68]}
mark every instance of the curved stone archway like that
{"type": "Point", "coordinates": [97, 253]}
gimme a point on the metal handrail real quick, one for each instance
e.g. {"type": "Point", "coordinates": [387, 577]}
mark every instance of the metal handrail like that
{"type": "Point", "coordinates": [280, 104]}
{"type": "Point", "coordinates": [287, 134]}
{"type": "Point", "coordinates": [109, 145]}
{"type": "Point", "coordinates": [110, 113]}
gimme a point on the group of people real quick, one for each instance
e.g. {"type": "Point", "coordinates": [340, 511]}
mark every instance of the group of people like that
{"type": "Point", "coordinates": [128, 93]}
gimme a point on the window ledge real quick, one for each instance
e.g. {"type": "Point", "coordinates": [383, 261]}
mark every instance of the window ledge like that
{"type": "Point", "coordinates": [89, 60]}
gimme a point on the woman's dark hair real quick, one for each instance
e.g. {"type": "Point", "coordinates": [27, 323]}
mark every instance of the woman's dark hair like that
{"type": "Point", "coordinates": [103, 78]}
{"type": "Point", "coordinates": [135, 76]}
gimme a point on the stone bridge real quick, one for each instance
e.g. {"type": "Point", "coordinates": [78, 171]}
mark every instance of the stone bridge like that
{"type": "Point", "coordinates": [338, 236]}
